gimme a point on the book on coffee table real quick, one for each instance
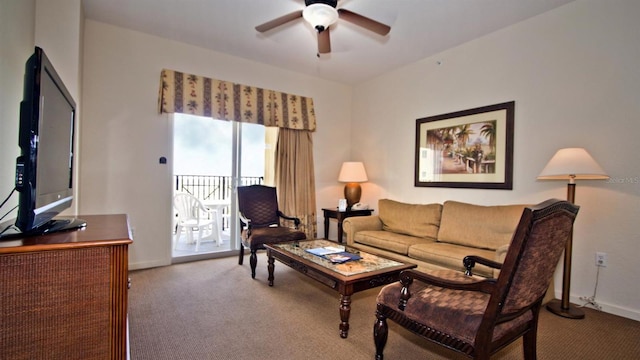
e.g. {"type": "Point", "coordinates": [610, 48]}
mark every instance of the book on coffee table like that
{"type": "Point", "coordinates": [326, 250]}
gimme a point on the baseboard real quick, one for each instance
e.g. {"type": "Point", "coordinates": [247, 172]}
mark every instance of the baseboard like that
{"type": "Point", "coordinates": [147, 264]}
{"type": "Point", "coordinates": [633, 314]}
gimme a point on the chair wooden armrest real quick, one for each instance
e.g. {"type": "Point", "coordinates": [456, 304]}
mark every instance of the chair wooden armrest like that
{"type": "Point", "coordinates": [296, 221]}
{"type": "Point", "coordinates": [469, 284]}
{"type": "Point", "coordinates": [471, 260]}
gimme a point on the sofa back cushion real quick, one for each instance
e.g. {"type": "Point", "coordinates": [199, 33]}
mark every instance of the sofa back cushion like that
{"type": "Point", "coordinates": [485, 227]}
{"type": "Point", "coordinates": [420, 220]}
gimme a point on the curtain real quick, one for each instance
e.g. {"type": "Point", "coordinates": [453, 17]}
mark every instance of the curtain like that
{"type": "Point", "coordinates": [224, 100]}
{"type": "Point", "coordinates": [295, 178]}
{"type": "Point", "coordinates": [270, 143]}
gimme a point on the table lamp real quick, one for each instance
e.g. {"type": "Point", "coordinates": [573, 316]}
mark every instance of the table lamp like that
{"type": "Point", "coordinates": [352, 172]}
{"type": "Point", "coordinates": [570, 164]}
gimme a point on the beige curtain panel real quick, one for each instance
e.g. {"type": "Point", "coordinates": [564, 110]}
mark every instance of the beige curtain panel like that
{"type": "Point", "coordinates": [294, 178]}
{"type": "Point", "coordinates": [223, 100]}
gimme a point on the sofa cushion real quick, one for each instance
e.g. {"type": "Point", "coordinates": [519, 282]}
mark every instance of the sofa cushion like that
{"type": "Point", "coordinates": [485, 227]}
{"type": "Point", "coordinates": [421, 220]}
{"type": "Point", "coordinates": [451, 255]}
{"type": "Point", "coordinates": [390, 241]}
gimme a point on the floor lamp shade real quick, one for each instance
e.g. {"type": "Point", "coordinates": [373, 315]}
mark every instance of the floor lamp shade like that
{"type": "Point", "coordinates": [353, 173]}
{"type": "Point", "coordinates": [570, 164]}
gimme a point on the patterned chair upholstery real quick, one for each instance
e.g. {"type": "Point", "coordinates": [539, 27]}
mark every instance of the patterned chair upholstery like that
{"type": "Point", "coordinates": [260, 222]}
{"type": "Point", "coordinates": [478, 316]}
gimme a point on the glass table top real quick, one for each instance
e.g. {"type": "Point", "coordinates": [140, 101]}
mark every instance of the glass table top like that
{"type": "Point", "coordinates": [367, 263]}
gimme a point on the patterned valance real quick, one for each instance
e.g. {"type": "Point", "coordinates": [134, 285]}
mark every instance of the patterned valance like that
{"type": "Point", "coordinates": [223, 100]}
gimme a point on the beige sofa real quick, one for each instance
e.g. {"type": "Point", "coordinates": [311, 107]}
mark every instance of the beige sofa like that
{"type": "Point", "coordinates": [437, 236]}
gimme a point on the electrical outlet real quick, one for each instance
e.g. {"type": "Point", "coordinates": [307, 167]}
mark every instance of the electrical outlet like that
{"type": "Point", "coordinates": [601, 259]}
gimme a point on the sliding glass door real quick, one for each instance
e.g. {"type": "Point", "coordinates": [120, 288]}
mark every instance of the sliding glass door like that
{"type": "Point", "coordinates": [210, 159]}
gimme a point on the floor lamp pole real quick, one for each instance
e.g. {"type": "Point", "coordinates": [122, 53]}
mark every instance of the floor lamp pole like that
{"type": "Point", "coordinates": [563, 307]}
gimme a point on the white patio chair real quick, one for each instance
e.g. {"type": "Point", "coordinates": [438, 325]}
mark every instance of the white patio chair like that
{"type": "Point", "coordinates": [194, 216]}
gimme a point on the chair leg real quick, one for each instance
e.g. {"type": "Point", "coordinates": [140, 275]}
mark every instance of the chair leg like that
{"type": "Point", "coordinates": [529, 344]}
{"type": "Point", "coordinates": [199, 240]}
{"type": "Point", "coordinates": [380, 334]}
{"type": "Point", "coordinates": [241, 256]}
{"type": "Point", "coordinates": [177, 236]}
{"type": "Point", "coordinates": [253, 260]}
{"type": "Point", "coordinates": [189, 232]}
{"type": "Point", "coordinates": [217, 234]}
{"type": "Point", "coordinates": [530, 338]}
{"type": "Point", "coordinates": [218, 227]}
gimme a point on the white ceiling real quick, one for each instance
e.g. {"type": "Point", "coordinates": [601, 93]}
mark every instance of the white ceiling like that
{"type": "Point", "coordinates": [419, 29]}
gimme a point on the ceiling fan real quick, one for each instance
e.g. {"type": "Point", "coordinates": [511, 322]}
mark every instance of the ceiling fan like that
{"type": "Point", "coordinates": [321, 14]}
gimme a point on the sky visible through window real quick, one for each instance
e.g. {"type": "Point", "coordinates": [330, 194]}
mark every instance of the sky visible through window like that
{"type": "Point", "coordinates": [203, 146]}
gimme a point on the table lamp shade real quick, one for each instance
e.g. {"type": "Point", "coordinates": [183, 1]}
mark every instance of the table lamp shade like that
{"type": "Point", "coordinates": [352, 172]}
{"type": "Point", "coordinates": [570, 164]}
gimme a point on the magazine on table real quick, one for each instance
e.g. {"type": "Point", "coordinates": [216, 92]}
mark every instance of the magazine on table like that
{"type": "Point", "coordinates": [341, 257]}
{"type": "Point", "coordinates": [335, 254]}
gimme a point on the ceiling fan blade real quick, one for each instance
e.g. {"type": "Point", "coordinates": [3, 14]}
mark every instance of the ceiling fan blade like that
{"type": "Point", "coordinates": [279, 21]}
{"type": "Point", "coordinates": [324, 42]}
{"type": "Point", "coordinates": [365, 22]}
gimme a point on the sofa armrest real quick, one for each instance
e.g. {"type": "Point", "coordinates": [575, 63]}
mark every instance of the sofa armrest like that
{"type": "Point", "coordinates": [352, 225]}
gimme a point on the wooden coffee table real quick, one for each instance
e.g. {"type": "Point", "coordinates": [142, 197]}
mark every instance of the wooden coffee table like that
{"type": "Point", "coordinates": [346, 278]}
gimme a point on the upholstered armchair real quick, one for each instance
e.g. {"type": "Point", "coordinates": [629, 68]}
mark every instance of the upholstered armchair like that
{"type": "Point", "coordinates": [478, 316]}
{"type": "Point", "coordinates": [260, 222]}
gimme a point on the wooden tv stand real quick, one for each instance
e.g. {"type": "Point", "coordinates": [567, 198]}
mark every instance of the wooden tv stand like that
{"type": "Point", "coordinates": [64, 295]}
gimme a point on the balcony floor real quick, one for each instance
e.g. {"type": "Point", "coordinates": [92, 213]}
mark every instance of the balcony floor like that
{"type": "Point", "coordinates": [206, 246]}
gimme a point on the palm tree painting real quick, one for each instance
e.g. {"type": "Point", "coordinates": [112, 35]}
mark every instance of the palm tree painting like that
{"type": "Point", "coordinates": [466, 148]}
{"type": "Point", "coordinates": [488, 130]}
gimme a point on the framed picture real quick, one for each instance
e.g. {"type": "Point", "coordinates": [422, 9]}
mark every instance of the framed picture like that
{"type": "Point", "coordinates": [466, 149]}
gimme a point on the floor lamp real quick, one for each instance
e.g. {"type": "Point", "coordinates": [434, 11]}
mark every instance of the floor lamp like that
{"type": "Point", "coordinates": [570, 164]}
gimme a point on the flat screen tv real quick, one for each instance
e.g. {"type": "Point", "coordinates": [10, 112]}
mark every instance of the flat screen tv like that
{"type": "Point", "coordinates": [44, 169]}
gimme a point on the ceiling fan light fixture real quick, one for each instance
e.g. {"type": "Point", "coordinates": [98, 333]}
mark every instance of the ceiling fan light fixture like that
{"type": "Point", "coordinates": [320, 16]}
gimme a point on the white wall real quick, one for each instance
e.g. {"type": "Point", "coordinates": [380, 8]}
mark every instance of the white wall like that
{"type": "Point", "coordinates": [573, 73]}
{"type": "Point", "coordinates": [59, 33]}
{"type": "Point", "coordinates": [123, 136]}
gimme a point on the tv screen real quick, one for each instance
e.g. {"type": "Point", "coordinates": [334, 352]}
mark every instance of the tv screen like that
{"type": "Point", "coordinates": [44, 169]}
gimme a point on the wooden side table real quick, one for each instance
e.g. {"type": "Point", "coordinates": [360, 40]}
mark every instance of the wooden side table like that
{"type": "Point", "coordinates": [340, 216]}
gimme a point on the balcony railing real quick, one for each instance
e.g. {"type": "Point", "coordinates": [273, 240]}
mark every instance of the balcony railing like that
{"type": "Point", "coordinates": [212, 188]}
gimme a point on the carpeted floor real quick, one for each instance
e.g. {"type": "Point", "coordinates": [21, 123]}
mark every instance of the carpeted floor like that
{"type": "Point", "coordinates": [212, 309]}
